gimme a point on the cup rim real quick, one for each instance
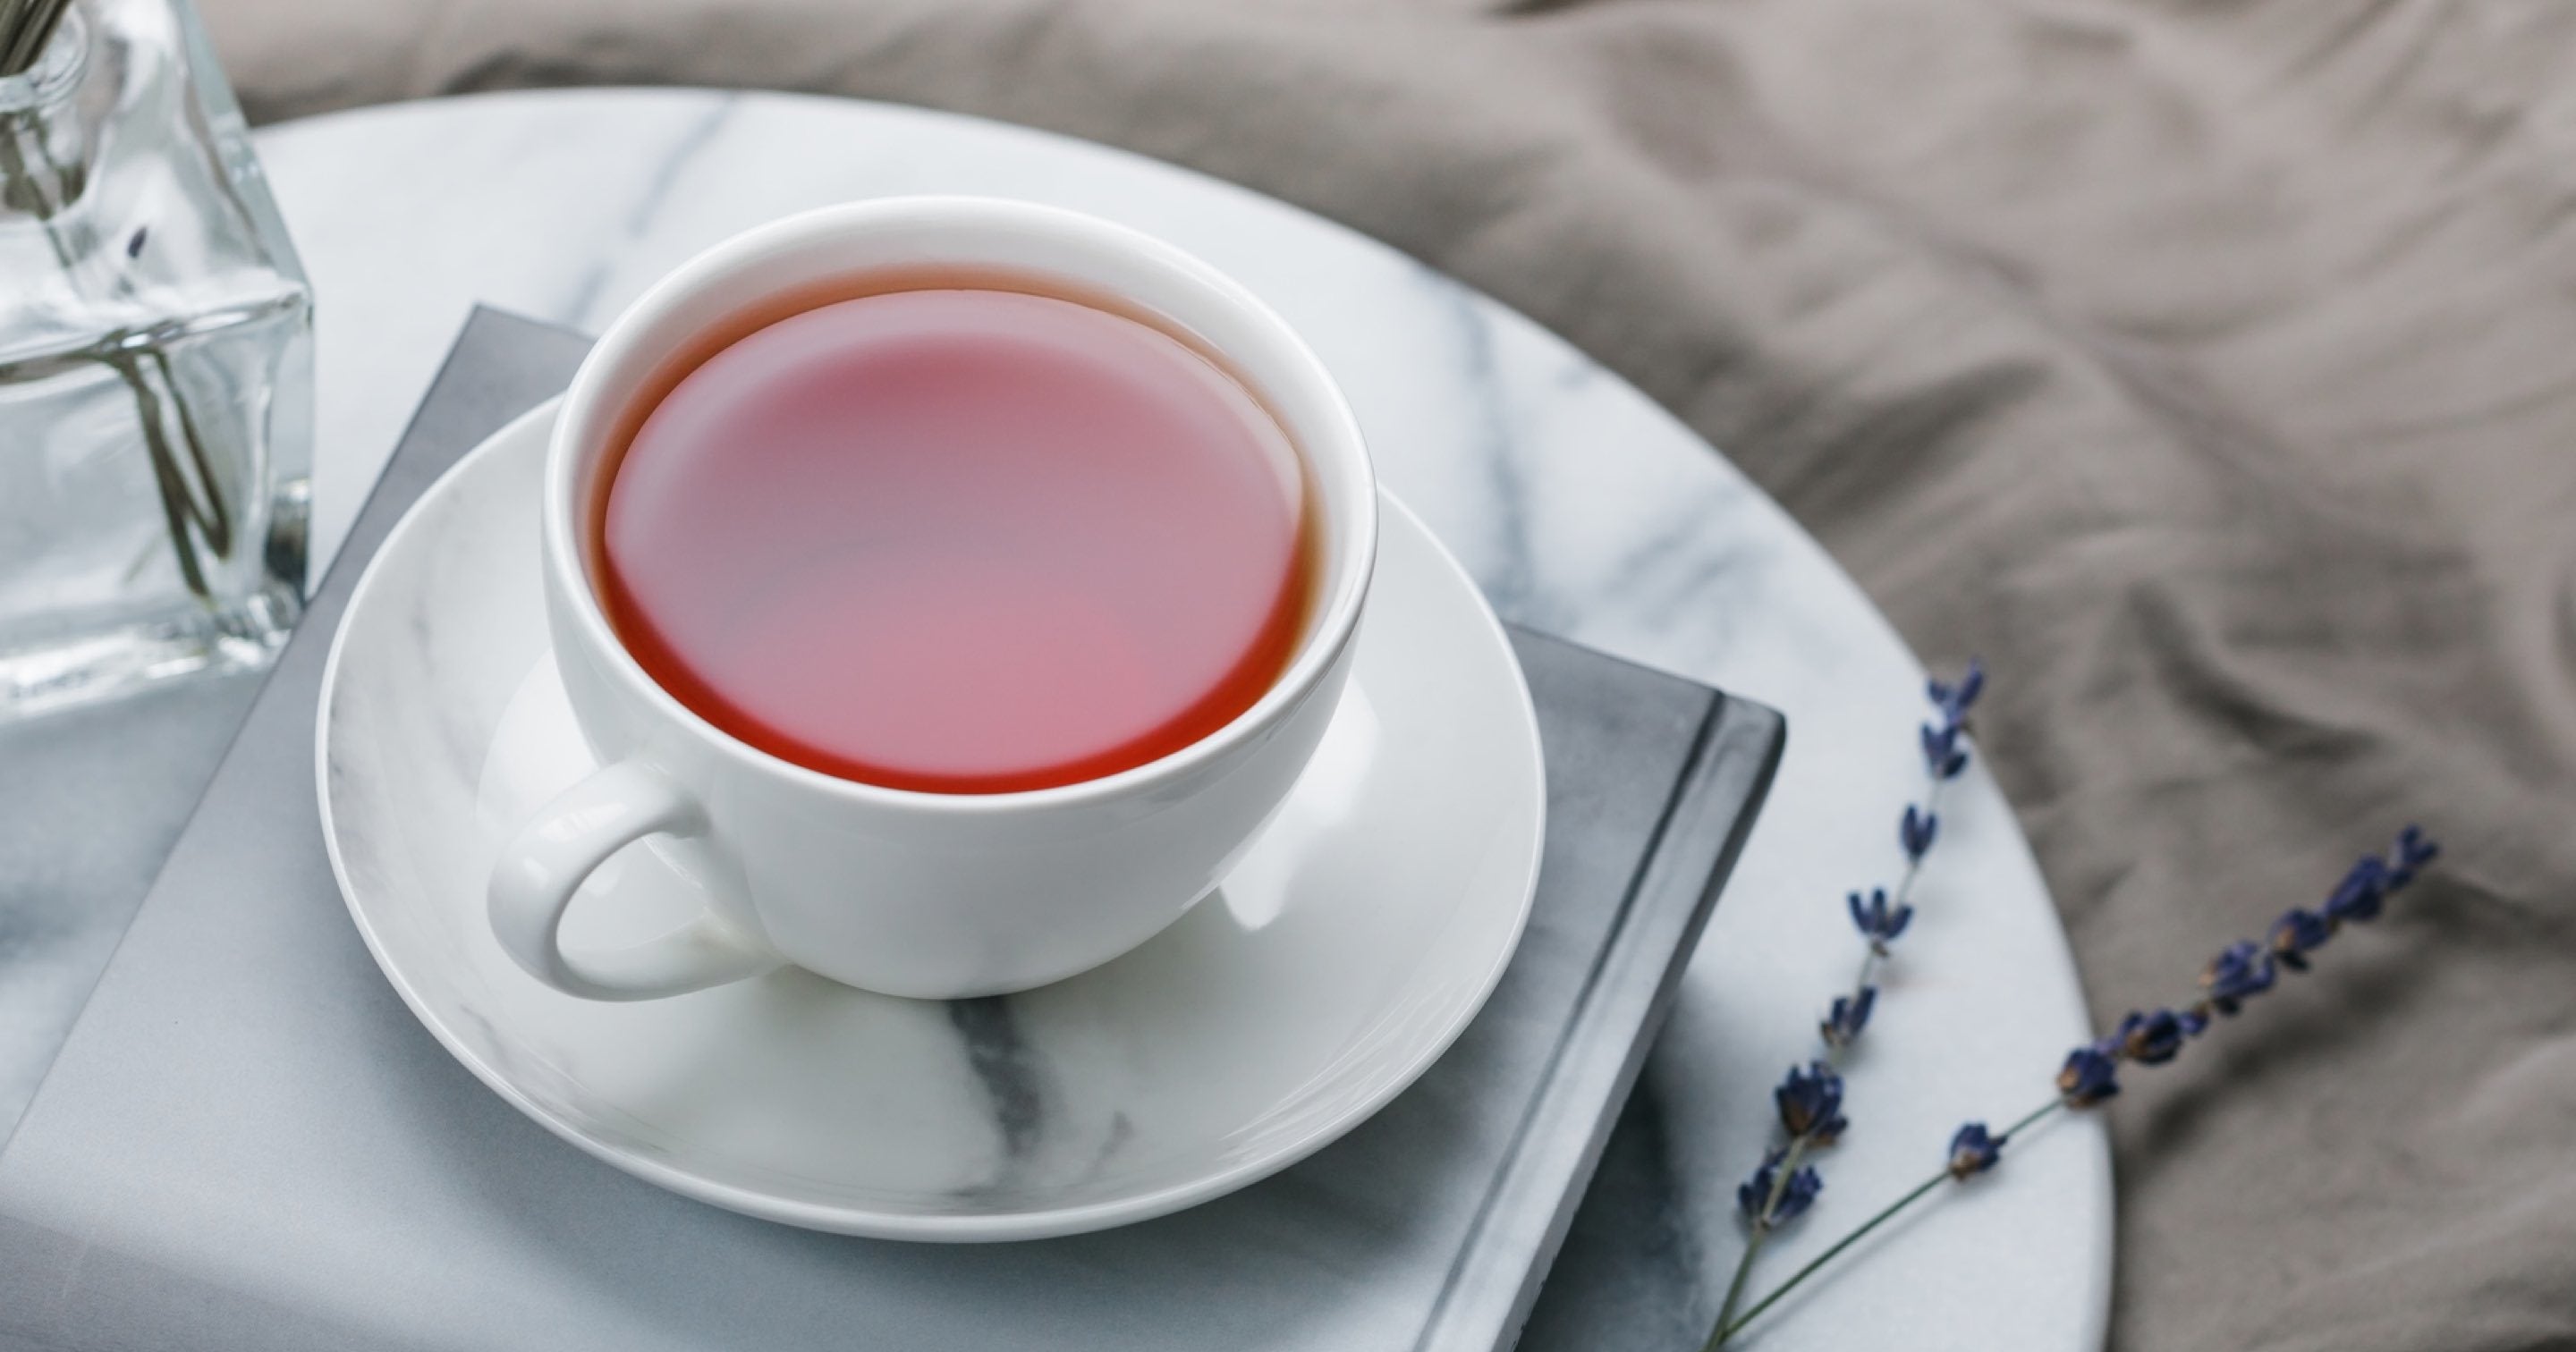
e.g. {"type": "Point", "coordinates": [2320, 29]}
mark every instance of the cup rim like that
{"type": "Point", "coordinates": [1351, 535]}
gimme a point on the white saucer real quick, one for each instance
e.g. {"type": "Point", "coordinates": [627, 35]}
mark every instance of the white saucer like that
{"type": "Point", "coordinates": [1345, 954]}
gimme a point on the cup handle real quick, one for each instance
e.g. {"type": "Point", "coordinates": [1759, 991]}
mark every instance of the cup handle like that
{"type": "Point", "coordinates": [557, 850]}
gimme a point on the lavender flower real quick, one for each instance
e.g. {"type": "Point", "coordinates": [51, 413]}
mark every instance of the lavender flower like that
{"type": "Point", "coordinates": [2240, 970]}
{"type": "Point", "coordinates": [2150, 1039]}
{"type": "Point", "coordinates": [1810, 1102]}
{"type": "Point", "coordinates": [1762, 1209]}
{"type": "Point", "coordinates": [2296, 934]}
{"type": "Point", "coordinates": [1876, 920]}
{"type": "Point", "coordinates": [2414, 850]}
{"type": "Point", "coordinates": [1955, 701]}
{"type": "Point", "coordinates": [1916, 832]}
{"type": "Point", "coordinates": [1849, 1015]}
{"type": "Point", "coordinates": [2088, 1077]}
{"type": "Point", "coordinates": [2372, 879]}
{"type": "Point", "coordinates": [2359, 896]}
{"type": "Point", "coordinates": [1943, 757]}
{"type": "Point", "coordinates": [1973, 1151]}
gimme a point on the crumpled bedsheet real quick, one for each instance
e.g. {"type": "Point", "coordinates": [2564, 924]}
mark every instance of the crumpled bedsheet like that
{"type": "Point", "coordinates": [2208, 368]}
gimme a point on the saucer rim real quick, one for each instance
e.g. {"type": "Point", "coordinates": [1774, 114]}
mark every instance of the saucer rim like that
{"type": "Point", "coordinates": [980, 1227]}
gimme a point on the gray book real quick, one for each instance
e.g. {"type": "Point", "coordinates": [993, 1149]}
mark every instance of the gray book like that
{"type": "Point", "coordinates": [247, 1142]}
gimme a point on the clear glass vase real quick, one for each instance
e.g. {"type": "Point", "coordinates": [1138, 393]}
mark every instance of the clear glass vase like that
{"type": "Point", "coordinates": [156, 369]}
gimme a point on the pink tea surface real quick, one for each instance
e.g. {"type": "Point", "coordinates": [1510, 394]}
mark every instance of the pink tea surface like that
{"type": "Point", "coordinates": [958, 540]}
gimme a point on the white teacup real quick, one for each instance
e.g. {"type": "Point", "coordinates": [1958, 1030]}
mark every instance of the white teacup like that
{"type": "Point", "coordinates": [910, 893]}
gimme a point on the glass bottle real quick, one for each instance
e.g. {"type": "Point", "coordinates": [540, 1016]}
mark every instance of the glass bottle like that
{"type": "Point", "coordinates": [156, 369]}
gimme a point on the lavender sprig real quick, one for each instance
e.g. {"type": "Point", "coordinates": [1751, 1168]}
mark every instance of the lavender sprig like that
{"type": "Point", "coordinates": [2090, 1074]}
{"type": "Point", "coordinates": [1783, 1186]}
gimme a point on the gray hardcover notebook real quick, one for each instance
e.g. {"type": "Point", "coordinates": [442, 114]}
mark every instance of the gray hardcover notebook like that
{"type": "Point", "coordinates": [247, 1142]}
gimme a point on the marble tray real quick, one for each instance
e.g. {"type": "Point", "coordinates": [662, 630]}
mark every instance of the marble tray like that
{"type": "Point", "coordinates": [1578, 505]}
{"type": "Point", "coordinates": [247, 1141]}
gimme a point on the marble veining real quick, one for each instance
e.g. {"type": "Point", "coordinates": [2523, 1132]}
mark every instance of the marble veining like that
{"type": "Point", "coordinates": [1579, 505]}
{"type": "Point", "coordinates": [1506, 574]}
{"type": "Point", "coordinates": [1002, 1064]}
{"type": "Point", "coordinates": [669, 167]}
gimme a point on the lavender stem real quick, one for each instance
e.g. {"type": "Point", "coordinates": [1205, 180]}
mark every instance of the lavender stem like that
{"type": "Point", "coordinates": [1726, 1330]}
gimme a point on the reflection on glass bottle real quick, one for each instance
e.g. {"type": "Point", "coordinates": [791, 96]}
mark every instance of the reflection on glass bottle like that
{"type": "Point", "coordinates": [155, 369]}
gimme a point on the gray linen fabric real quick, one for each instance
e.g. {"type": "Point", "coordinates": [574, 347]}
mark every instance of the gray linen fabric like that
{"type": "Point", "coordinates": [2209, 367]}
